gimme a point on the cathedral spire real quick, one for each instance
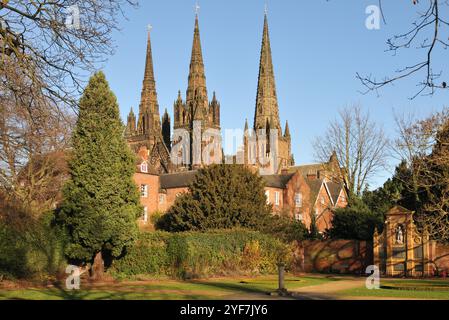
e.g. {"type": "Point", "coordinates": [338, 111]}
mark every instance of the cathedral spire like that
{"type": "Point", "coordinates": [149, 106]}
{"type": "Point", "coordinates": [197, 80]}
{"type": "Point", "coordinates": [267, 108]}
{"type": "Point", "coordinates": [287, 130]}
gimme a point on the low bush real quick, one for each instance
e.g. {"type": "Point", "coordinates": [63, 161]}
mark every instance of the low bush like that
{"type": "Point", "coordinates": [193, 254]}
{"type": "Point", "coordinates": [33, 249]}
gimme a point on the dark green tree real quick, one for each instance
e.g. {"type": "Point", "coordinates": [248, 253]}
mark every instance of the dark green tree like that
{"type": "Point", "coordinates": [395, 191]}
{"type": "Point", "coordinates": [221, 197]}
{"type": "Point", "coordinates": [285, 228]}
{"type": "Point", "coordinates": [356, 222]}
{"type": "Point", "coordinates": [101, 201]}
{"type": "Point", "coordinates": [314, 233]}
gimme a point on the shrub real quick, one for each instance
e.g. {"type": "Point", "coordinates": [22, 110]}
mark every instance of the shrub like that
{"type": "Point", "coordinates": [356, 222]}
{"type": "Point", "coordinates": [34, 250]}
{"type": "Point", "coordinates": [193, 254]}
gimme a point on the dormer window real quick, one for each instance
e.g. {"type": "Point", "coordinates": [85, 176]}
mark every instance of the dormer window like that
{"type": "Point", "coordinates": [144, 167]}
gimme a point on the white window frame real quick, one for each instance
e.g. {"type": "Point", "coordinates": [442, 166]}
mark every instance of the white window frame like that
{"type": "Point", "coordinates": [267, 195]}
{"type": "Point", "coordinates": [298, 200]}
{"type": "Point", "coordinates": [144, 191]}
{"type": "Point", "coordinates": [299, 217]}
{"type": "Point", "coordinates": [145, 215]}
{"type": "Point", "coordinates": [161, 198]}
{"type": "Point", "coordinates": [277, 197]}
{"type": "Point", "coordinates": [144, 167]}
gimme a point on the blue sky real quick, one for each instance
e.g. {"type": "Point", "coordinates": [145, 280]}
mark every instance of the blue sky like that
{"type": "Point", "coordinates": [318, 46]}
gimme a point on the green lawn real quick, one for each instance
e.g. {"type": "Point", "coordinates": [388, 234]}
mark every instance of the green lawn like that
{"type": "Point", "coordinates": [414, 294]}
{"type": "Point", "coordinates": [168, 289]}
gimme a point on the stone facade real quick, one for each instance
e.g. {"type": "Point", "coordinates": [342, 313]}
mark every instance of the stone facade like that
{"type": "Point", "coordinates": [266, 142]}
{"type": "Point", "coordinates": [400, 250]}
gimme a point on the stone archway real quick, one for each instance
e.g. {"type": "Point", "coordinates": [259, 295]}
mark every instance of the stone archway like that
{"type": "Point", "coordinates": [400, 250]}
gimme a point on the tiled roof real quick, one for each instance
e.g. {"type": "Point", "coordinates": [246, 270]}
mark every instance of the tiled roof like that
{"type": "Point", "coordinates": [177, 180]}
{"type": "Point", "coordinates": [277, 181]}
{"type": "Point", "coordinates": [308, 168]}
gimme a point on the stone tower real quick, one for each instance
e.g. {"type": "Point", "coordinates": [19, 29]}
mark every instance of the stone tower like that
{"type": "Point", "coordinates": [147, 135]}
{"type": "Point", "coordinates": [260, 148]}
{"type": "Point", "coordinates": [196, 116]}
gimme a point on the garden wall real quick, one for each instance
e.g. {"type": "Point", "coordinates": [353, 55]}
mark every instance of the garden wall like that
{"type": "Point", "coordinates": [440, 257]}
{"type": "Point", "coordinates": [334, 256]}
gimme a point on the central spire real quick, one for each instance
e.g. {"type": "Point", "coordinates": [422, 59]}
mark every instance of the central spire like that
{"type": "Point", "coordinates": [149, 94]}
{"type": "Point", "coordinates": [267, 108]}
{"type": "Point", "coordinates": [196, 89]}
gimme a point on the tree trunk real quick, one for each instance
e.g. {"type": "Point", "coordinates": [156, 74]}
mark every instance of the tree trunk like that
{"type": "Point", "coordinates": [97, 272]}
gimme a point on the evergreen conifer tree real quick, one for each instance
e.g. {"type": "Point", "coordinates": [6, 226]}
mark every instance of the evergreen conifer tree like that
{"type": "Point", "coordinates": [101, 201]}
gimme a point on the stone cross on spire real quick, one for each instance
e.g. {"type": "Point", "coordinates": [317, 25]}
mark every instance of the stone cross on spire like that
{"type": "Point", "coordinates": [197, 8]}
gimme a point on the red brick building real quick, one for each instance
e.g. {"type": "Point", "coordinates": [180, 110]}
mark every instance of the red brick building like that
{"type": "Point", "coordinates": [291, 192]}
{"type": "Point", "coordinates": [300, 192]}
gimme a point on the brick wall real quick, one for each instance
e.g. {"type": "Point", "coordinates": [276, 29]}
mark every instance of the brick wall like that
{"type": "Point", "coordinates": [334, 256]}
{"type": "Point", "coordinates": [440, 257]}
{"type": "Point", "coordinates": [297, 184]}
{"type": "Point", "coordinates": [323, 211]}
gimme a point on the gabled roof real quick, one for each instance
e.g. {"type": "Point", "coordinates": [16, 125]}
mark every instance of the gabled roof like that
{"type": "Point", "coordinates": [399, 210]}
{"type": "Point", "coordinates": [315, 187]}
{"type": "Point", "coordinates": [177, 180]}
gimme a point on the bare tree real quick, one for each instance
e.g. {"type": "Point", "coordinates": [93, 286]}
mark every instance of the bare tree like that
{"type": "Point", "coordinates": [55, 44]}
{"type": "Point", "coordinates": [427, 34]}
{"type": "Point", "coordinates": [360, 145]}
{"type": "Point", "coordinates": [34, 138]}
{"type": "Point", "coordinates": [424, 146]}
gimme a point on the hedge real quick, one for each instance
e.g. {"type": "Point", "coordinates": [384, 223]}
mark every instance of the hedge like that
{"type": "Point", "coordinates": [34, 251]}
{"type": "Point", "coordinates": [194, 254]}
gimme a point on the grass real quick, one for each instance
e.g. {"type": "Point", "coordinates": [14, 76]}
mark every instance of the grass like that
{"type": "Point", "coordinates": [414, 293]}
{"type": "Point", "coordinates": [167, 290]}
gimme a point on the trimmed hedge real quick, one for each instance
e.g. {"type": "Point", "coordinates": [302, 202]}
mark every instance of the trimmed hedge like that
{"type": "Point", "coordinates": [194, 254]}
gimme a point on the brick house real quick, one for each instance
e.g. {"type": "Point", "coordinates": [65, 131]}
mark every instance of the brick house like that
{"type": "Point", "coordinates": [294, 194]}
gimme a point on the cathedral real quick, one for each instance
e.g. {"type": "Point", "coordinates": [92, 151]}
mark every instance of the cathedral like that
{"type": "Point", "coordinates": [168, 162]}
